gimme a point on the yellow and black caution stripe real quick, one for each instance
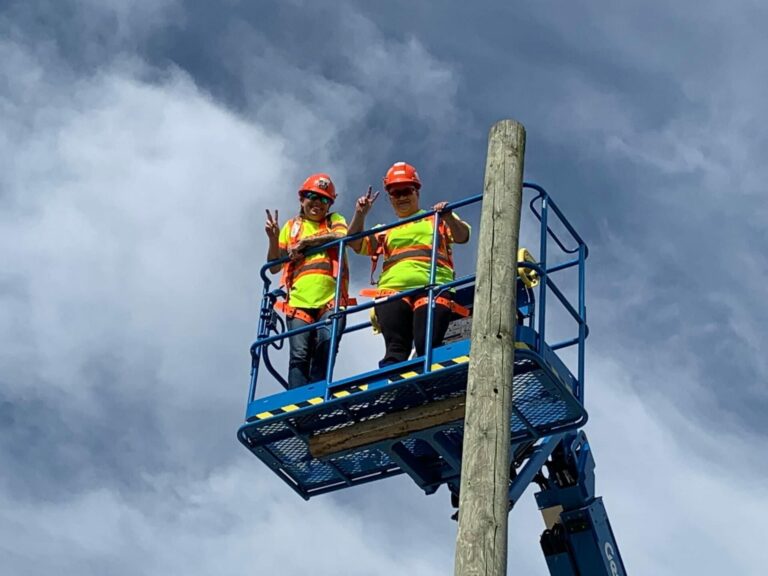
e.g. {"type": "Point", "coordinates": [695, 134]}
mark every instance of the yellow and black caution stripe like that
{"type": "Point", "coordinates": [310, 402]}
{"type": "Point", "coordinates": [435, 367]}
{"type": "Point", "coordinates": [440, 365]}
{"type": "Point", "coordinates": [362, 387]}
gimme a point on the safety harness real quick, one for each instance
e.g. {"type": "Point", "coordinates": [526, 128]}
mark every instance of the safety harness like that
{"type": "Point", "coordinates": [327, 265]}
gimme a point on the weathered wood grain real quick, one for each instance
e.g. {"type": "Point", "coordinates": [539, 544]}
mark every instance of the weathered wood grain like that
{"type": "Point", "coordinates": [481, 543]}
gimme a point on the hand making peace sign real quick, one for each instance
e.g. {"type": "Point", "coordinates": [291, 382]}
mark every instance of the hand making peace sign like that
{"type": "Point", "coordinates": [365, 203]}
{"type": "Point", "coordinates": [271, 227]}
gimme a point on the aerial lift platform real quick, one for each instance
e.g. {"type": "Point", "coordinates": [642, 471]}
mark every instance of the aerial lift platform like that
{"type": "Point", "coordinates": [408, 417]}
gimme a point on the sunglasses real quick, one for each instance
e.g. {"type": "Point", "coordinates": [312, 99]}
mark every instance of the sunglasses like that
{"type": "Point", "coordinates": [401, 192]}
{"type": "Point", "coordinates": [311, 196]}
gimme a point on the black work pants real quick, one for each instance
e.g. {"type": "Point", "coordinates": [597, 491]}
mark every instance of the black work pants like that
{"type": "Point", "coordinates": [402, 327]}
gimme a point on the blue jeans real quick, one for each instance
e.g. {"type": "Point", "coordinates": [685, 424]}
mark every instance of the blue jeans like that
{"type": "Point", "coordinates": [308, 359]}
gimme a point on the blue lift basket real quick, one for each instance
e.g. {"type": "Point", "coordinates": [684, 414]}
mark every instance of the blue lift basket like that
{"type": "Point", "coordinates": [323, 436]}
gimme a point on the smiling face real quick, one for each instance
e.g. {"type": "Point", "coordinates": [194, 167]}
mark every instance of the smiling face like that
{"type": "Point", "coordinates": [404, 200]}
{"type": "Point", "coordinates": [314, 206]}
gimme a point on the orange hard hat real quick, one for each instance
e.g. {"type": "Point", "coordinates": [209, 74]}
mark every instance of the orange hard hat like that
{"type": "Point", "coordinates": [321, 184]}
{"type": "Point", "coordinates": [402, 173]}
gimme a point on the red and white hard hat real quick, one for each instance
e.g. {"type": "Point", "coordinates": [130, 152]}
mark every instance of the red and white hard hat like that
{"type": "Point", "coordinates": [402, 173]}
{"type": "Point", "coordinates": [319, 183]}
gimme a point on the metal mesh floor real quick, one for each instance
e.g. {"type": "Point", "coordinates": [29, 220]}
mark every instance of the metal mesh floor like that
{"type": "Point", "coordinates": [542, 405]}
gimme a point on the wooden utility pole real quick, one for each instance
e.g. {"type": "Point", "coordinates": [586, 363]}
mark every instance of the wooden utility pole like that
{"type": "Point", "coordinates": [481, 544]}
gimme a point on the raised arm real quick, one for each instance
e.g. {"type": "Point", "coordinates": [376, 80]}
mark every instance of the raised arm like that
{"type": "Point", "coordinates": [272, 228]}
{"type": "Point", "coordinates": [357, 225]}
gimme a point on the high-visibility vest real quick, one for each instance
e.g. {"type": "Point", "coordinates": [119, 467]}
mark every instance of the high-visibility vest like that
{"type": "Point", "coordinates": [416, 252]}
{"type": "Point", "coordinates": [323, 264]}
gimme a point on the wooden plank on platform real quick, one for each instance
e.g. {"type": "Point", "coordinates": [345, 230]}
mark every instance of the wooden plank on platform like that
{"type": "Point", "coordinates": [387, 427]}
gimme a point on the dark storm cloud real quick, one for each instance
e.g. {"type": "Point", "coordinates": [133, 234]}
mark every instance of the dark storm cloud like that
{"type": "Point", "coordinates": [85, 34]}
{"type": "Point", "coordinates": [644, 123]}
{"type": "Point", "coordinates": [665, 86]}
{"type": "Point", "coordinates": [612, 74]}
{"type": "Point", "coordinates": [254, 50]}
{"type": "Point", "coordinates": [521, 61]}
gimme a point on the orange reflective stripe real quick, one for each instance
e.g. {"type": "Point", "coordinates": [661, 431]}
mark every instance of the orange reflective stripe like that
{"type": "Point", "coordinates": [404, 254]}
{"type": "Point", "coordinates": [420, 252]}
{"type": "Point", "coordinates": [416, 250]}
{"type": "Point", "coordinates": [441, 260]}
{"type": "Point", "coordinates": [425, 247]}
{"type": "Point", "coordinates": [319, 265]}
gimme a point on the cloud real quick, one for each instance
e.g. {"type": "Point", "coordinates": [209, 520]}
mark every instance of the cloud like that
{"type": "Point", "coordinates": [131, 240]}
{"type": "Point", "coordinates": [207, 527]}
{"type": "Point", "coordinates": [131, 247]}
{"type": "Point", "coordinates": [681, 502]}
{"type": "Point", "coordinates": [403, 73]}
{"type": "Point", "coordinates": [339, 96]}
{"type": "Point", "coordinates": [134, 168]}
{"type": "Point", "coordinates": [674, 177]}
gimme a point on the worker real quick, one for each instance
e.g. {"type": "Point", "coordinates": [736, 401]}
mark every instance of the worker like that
{"type": "Point", "coordinates": [407, 253]}
{"type": "Point", "coordinates": [309, 281]}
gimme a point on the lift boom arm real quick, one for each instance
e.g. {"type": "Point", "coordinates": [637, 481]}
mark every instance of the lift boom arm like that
{"type": "Point", "coordinates": [578, 540]}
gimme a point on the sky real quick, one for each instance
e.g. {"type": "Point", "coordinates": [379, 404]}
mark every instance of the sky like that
{"type": "Point", "coordinates": [140, 143]}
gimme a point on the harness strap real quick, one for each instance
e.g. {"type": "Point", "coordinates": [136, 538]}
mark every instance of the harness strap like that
{"type": "Point", "coordinates": [381, 242]}
{"type": "Point", "coordinates": [378, 292]}
{"type": "Point", "coordinates": [291, 312]}
{"type": "Point", "coordinates": [455, 307]}
{"type": "Point", "coordinates": [302, 314]}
